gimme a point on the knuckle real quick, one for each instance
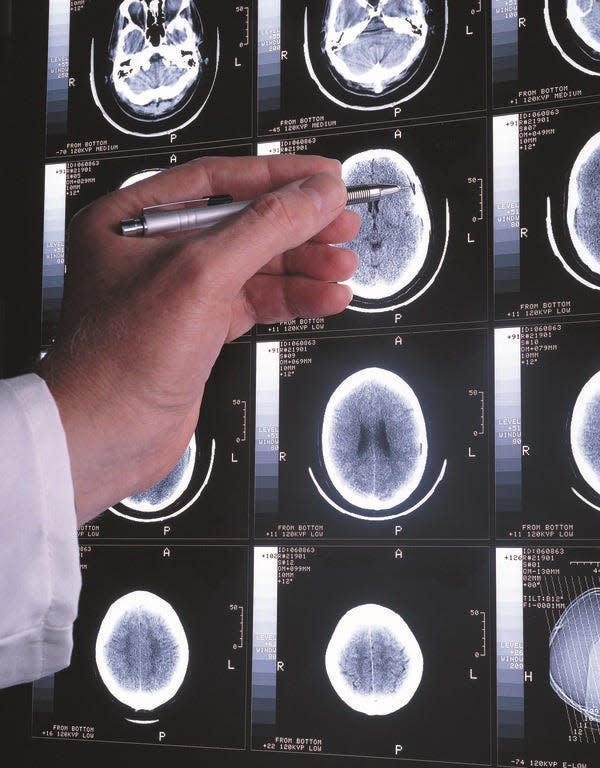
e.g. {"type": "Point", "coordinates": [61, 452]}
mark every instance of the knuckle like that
{"type": "Point", "coordinates": [249, 306]}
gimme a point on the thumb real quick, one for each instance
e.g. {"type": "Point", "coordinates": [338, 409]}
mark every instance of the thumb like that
{"type": "Point", "coordinates": [275, 222]}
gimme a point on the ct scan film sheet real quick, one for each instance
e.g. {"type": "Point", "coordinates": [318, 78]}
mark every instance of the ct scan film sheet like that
{"type": "Point", "coordinates": [373, 666]}
{"type": "Point", "coordinates": [72, 184]}
{"type": "Point", "coordinates": [545, 221]}
{"type": "Point", "coordinates": [382, 542]}
{"type": "Point", "coordinates": [544, 51]}
{"type": "Point", "coordinates": [159, 656]}
{"type": "Point", "coordinates": [136, 75]}
{"type": "Point", "coordinates": [547, 654]}
{"type": "Point", "coordinates": [547, 458]}
{"type": "Point", "coordinates": [339, 63]}
{"type": "Point", "coordinates": [372, 437]}
{"type": "Point", "coordinates": [205, 495]}
{"type": "Point", "coordinates": [422, 252]}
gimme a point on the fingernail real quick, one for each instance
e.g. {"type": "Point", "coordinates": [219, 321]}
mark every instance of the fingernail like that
{"type": "Point", "coordinates": [327, 192]}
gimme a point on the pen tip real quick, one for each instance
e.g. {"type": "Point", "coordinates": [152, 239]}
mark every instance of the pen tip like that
{"type": "Point", "coordinates": [389, 189]}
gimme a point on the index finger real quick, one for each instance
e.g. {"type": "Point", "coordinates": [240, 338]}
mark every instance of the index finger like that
{"type": "Point", "coordinates": [276, 222]}
{"type": "Point", "coordinates": [242, 177]}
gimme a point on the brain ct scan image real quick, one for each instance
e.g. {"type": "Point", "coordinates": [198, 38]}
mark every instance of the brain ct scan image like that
{"type": "Point", "coordinates": [372, 54]}
{"type": "Point", "coordinates": [153, 65]}
{"type": "Point", "coordinates": [177, 491]}
{"type": "Point", "coordinates": [155, 54]}
{"type": "Point", "coordinates": [413, 249]}
{"type": "Point", "coordinates": [585, 432]}
{"type": "Point", "coordinates": [393, 240]}
{"type": "Point", "coordinates": [572, 219]}
{"type": "Point", "coordinates": [584, 18]}
{"type": "Point", "coordinates": [142, 651]}
{"type": "Point", "coordinates": [583, 203]}
{"type": "Point", "coordinates": [573, 27]}
{"type": "Point", "coordinates": [373, 660]}
{"type": "Point", "coordinates": [169, 488]}
{"type": "Point", "coordinates": [372, 45]}
{"type": "Point", "coordinates": [374, 439]}
{"type": "Point", "coordinates": [575, 655]}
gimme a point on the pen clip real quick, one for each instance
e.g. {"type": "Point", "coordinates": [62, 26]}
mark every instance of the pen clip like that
{"type": "Point", "coordinates": [201, 201]}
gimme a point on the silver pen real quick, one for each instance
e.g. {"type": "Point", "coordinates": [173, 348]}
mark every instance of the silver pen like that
{"type": "Point", "coordinates": [207, 211]}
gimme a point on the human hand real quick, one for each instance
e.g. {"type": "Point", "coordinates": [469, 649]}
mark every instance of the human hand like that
{"type": "Point", "coordinates": [145, 319]}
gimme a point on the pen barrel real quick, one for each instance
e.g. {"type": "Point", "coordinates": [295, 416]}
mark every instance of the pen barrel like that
{"type": "Point", "coordinates": [184, 219]}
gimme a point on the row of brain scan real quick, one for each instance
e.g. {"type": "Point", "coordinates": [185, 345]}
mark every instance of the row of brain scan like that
{"type": "Point", "coordinates": [142, 655]}
{"type": "Point", "coordinates": [422, 255]}
{"type": "Point", "coordinates": [385, 437]}
{"type": "Point", "coordinates": [394, 238]}
{"type": "Point", "coordinates": [356, 650]}
{"type": "Point", "coordinates": [154, 68]}
{"type": "Point", "coordinates": [373, 48]}
{"type": "Point", "coordinates": [373, 660]}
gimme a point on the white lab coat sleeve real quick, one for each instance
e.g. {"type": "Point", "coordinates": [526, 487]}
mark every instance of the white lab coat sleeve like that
{"type": "Point", "coordinates": [40, 578]}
